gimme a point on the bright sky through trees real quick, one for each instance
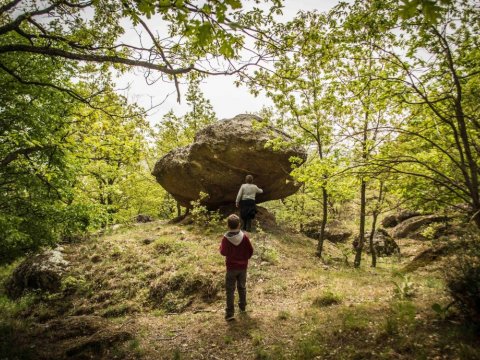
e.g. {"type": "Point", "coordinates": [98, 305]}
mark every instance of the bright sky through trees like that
{"type": "Point", "coordinates": [226, 98]}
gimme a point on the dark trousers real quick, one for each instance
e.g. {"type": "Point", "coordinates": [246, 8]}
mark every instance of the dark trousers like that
{"type": "Point", "coordinates": [247, 224]}
{"type": "Point", "coordinates": [236, 278]}
{"type": "Point", "coordinates": [248, 210]}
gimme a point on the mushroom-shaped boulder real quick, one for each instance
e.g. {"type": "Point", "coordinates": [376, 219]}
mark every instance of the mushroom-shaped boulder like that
{"type": "Point", "coordinates": [222, 155]}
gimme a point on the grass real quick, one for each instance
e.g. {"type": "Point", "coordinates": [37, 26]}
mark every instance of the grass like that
{"type": "Point", "coordinates": [171, 290]}
{"type": "Point", "coordinates": [284, 315]}
{"type": "Point", "coordinates": [328, 298]}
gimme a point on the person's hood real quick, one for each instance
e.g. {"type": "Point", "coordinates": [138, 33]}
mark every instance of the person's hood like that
{"type": "Point", "coordinates": [235, 237]}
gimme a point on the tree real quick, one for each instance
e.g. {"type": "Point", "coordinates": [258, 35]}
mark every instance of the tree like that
{"type": "Point", "coordinates": [111, 147]}
{"type": "Point", "coordinates": [438, 66]}
{"type": "Point", "coordinates": [368, 111]}
{"type": "Point", "coordinates": [35, 178]}
{"type": "Point", "coordinates": [177, 131]}
{"type": "Point", "coordinates": [90, 32]}
{"type": "Point", "coordinates": [299, 84]}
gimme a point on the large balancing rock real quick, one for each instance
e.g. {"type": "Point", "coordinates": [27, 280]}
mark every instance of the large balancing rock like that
{"type": "Point", "coordinates": [220, 158]}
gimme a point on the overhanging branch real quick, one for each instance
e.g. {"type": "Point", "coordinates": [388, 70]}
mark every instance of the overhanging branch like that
{"type": "Point", "coordinates": [99, 58]}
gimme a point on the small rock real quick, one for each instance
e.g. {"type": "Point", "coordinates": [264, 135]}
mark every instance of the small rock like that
{"type": "Point", "coordinates": [141, 218]}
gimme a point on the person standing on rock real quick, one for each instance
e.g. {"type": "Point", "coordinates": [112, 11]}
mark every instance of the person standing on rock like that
{"type": "Point", "coordinates": [246, 202]}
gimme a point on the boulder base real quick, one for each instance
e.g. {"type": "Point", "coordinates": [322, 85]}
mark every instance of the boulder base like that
{"type": "Point", "coordinates": [220, 158]}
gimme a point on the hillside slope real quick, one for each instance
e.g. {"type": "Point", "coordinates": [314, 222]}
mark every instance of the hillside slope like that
{"type": "Point", "coordinates": [155, 291]}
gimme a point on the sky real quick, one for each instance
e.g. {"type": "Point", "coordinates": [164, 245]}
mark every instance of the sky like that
{"type": "Point", "coordinates": [227, 99]}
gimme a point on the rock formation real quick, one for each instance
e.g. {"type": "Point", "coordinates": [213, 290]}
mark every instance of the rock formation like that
{"type": "Point", "coordinates": [222, 155]}
{"type": "Point", "coordinates": [390, 221]}
{"type": "Point", "coordinates": [39, 272]}
{"type": "Point", "coordinates": [409, 226]}
{"type": "Point", "coordinates": [334, 231]}
{"type": "Point", "coordinates": [383, 243]}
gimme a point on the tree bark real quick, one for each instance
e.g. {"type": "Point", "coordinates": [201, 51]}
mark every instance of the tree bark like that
{"type": "Point", "coordinates": [375, 214]}
{"type": "Point", "coordinates": [372, 234]}
{"type": "Point", "coordinates": [361, 240]}
{"type": "Point", "coordinates": [321, 236]}
{"type": "Point", "coordinates": [179, 209]}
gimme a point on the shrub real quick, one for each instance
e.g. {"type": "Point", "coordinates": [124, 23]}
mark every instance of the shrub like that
{"type": "Point", "coordinates": [405, 288]}
{"type": "Point", "coordinates": [402, 315]}
{"type": "Point", "coordinates": [201, 215]}
{"type": "Point", "coordinates": [269, 255]}
{"type": "Point", "coordinates": [463, 280]}
{"type": "Point", "coordinates": [432, 231]}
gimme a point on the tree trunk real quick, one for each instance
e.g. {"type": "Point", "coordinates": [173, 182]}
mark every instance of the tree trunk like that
{"type": "Point", "coordinates": [179, 209]}
{"type": "Point", "coordinates": [361, 240]}
{"type": "Point", "coordinates": [372, 234]}
{"type": "Point", "coordinates": [321, 236]}
{"type": "Point", "coordinates": [476, 216]}
{"type": "Point", "coordinates": [376, 212]}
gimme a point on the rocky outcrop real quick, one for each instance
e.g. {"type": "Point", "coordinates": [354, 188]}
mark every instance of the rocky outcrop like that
{"type": "Point", "coordinates": [334, 231]}
{"type": "Point", "coordinates": [220, 158]}
{"type": "Point", "coordinates": [383, 244]}
{"type": "Point", "coordinates": [390, 221]}
{"type": "Point", "coordinates": [431, 255]}
{"type": "Point", "coordinates": [407, 227]}
{"type": "Point", "coordinates": [39, 272]}
{"type": "Point", "coordinates": [141, 218]}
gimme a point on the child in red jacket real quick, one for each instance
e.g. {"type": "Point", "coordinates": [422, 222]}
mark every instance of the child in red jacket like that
{"type": "Point", "coordinates": [237, 249]}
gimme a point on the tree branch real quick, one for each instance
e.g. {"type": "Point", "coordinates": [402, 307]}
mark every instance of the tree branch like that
{"type": "Point", "coordinates": [99, 58]}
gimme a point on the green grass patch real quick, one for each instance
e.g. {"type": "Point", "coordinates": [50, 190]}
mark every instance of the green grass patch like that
{"type": "Point", "coordinates": [118, 310]}
{"type": "Point", "coordinates": [401, 317]}
{"type": "Point", "coordinates": [167, 244]}
{"type": "Point", "coordinates": [355, 319]}
{"type": "Point", "coordinates": [269, 255]}
{"type": "Point", "coordinates": [310, 347]}
{"type": "Point", "coordinates": [328, 298]}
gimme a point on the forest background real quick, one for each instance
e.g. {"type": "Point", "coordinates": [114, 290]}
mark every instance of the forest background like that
{"type": "Point", "coordinates": [385, 97]}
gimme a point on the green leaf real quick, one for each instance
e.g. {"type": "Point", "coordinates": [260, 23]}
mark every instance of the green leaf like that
{"type": "Point", "coordinates": [234, 4]}
{"type": "Point", "coordinates": [437, 308]}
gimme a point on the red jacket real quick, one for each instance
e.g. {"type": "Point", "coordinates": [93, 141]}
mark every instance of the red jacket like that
{"type": "Point", "coordinates": [237, 249]}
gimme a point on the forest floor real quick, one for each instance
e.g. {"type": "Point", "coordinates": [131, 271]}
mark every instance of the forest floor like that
{"type": "Point", "coordinates": [155, 291]}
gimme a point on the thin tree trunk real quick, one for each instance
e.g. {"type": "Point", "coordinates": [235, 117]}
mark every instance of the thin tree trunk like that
{"type": "Point", "coordinates": [372, 234]}
{"type": "Point", "coordinates": [361, 240]}
{"type": "Point", "coordinates": [375, 214]}
{"type": "Point", "coordinates": [321, 236]}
